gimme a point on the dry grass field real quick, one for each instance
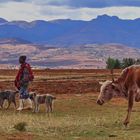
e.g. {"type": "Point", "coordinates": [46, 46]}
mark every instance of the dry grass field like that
{"type": "Point", "coordinates": [76, 115]}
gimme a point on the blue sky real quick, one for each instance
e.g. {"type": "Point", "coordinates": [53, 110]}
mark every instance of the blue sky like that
{"type": "Point", "coordinates": [63, 9]}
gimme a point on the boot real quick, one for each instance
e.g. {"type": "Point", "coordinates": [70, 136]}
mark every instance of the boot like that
{"type": "Point", "coordinates": [20, 105]}
{"type": "Point", "coordinates": [29, 104]}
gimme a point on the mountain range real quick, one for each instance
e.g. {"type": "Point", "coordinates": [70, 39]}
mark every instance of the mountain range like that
{"type": "Point", "coordinates": [65, 32]}
{"type": "Point", "coordinates": [66, 43]}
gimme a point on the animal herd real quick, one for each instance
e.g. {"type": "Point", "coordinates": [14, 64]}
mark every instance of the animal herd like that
{"type": "Point", "coordinates": [37, 99]}
{"type": "Point", "coordinates": [128, 85]}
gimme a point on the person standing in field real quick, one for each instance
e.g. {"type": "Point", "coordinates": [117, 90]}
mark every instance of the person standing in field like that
{"type": "Point", "coordinates": [24, 76]}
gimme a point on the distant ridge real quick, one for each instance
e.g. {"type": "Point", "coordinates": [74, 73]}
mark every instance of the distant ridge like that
{"type": "Point", "coordinates": [13, 41]}
{"type": "Point", "coordinates": [65, 32]}
{"type": "Point", "coordinates": [74, 57]}
{"type": "Point", "coordinates": [2, 20]}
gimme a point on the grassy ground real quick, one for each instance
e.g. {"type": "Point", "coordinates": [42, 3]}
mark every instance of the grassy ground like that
{"type": "Point", "coordinates": [75, 117]}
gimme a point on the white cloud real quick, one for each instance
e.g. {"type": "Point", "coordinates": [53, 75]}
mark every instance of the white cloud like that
{"type": "Point", "coordinates": [16, 11]}
{"type": "Point", "coordinates": [32, 11]}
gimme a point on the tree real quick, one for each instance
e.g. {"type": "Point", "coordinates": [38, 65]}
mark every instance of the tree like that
{"type": "Point", "coordinates": [110, 65]}
{"type": "Point", "coordinates": [138, 61]}
{"type": "Point", "coordinates": [117, 64]}
{"type": "Point", "coordinates": [126, 62]}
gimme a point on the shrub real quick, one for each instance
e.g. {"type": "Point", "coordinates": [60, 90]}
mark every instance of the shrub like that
{"type": "Point", "coordinates": [20, 126]}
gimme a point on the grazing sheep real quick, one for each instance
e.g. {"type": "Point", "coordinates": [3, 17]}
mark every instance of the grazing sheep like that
{"type": "Point", "coordinates": [46, 99]}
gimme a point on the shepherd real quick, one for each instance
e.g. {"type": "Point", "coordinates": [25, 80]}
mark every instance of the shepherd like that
{"type": "Point", "coordinates": [22, 80]}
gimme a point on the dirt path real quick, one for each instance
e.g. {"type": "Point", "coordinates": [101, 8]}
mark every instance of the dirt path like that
{"type": "Point", "coordinates": [16, 136]}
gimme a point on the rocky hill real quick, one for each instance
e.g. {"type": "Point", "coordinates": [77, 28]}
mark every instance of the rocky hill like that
{"type": "Point", "coordinates": [77, 56]}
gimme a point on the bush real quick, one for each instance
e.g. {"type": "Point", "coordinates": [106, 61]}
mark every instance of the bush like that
{"type": "Point", "coordinates": [110, 63]}
{"type": "Point", "coordinates": [126, 62]}
{"type": "Point", "coordinates": [118, 64]}
{"type": "Point", "coordinates": [20, 126]}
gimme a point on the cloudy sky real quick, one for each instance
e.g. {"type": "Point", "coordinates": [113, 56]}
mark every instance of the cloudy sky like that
{"type": "Point", "coordinates": [63, 9]}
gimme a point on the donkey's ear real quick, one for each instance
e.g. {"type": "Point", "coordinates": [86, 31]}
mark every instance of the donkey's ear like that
{"type": "Point", "coordinates": [114, 85]}
{"type": "Point", "coordinates": [16, 92]}
{"type": "Point", "coordinates": [101, 83]}
{"type": "Point", "coordinates": [34, 93]}
{"type": "Point", "coordinates": [113, 79]}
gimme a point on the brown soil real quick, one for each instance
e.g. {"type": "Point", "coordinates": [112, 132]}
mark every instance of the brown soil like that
{"type": "Point", "coordinates": [16, 136]}
{"type": "Point", "coordinates": [61, 81]}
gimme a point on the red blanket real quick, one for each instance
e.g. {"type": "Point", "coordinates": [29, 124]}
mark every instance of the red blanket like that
{"type": "Point", "coordinates": [20, 73]}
